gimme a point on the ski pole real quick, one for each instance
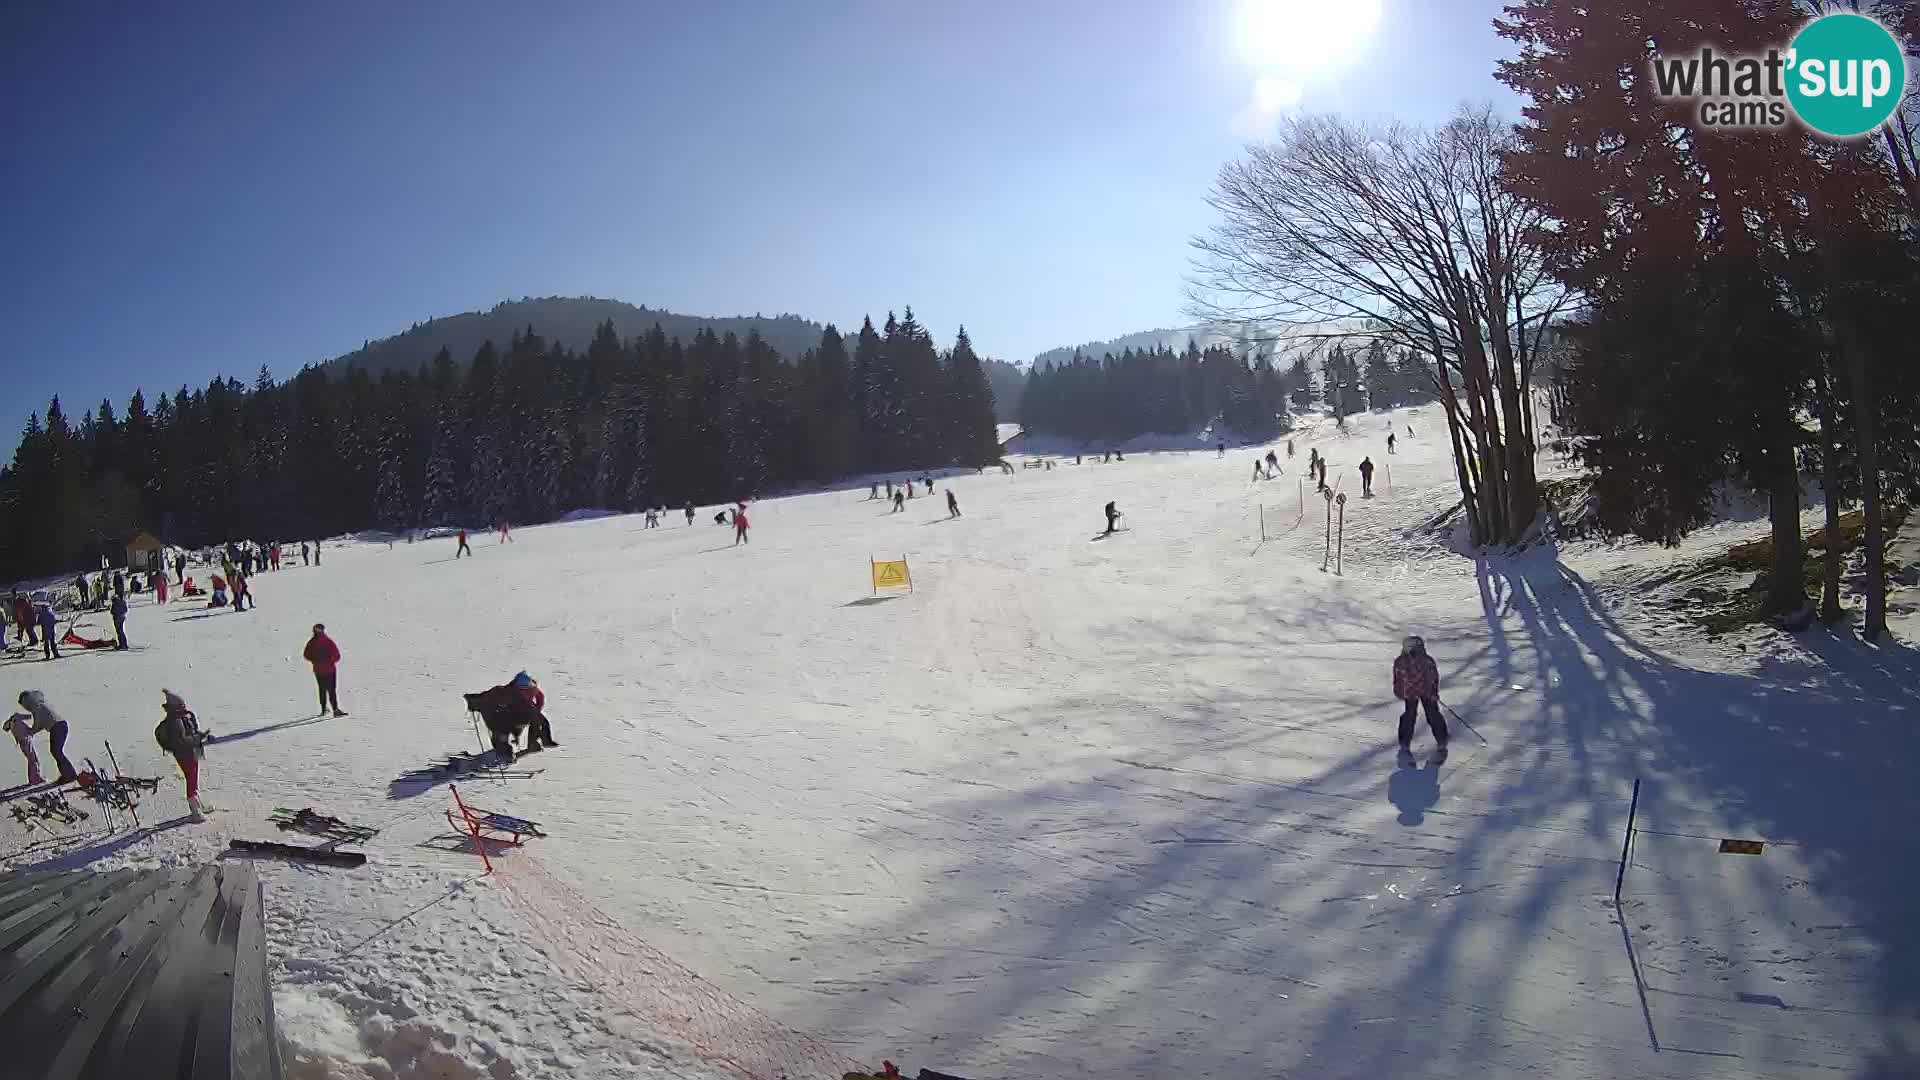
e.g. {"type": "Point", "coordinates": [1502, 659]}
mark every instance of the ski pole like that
{"type": "Point", "coordinates": [1463, 722]}
{"type": "Point", "coordinates": [111, 760]}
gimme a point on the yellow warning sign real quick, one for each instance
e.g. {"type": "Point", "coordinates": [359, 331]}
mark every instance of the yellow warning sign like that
{"type": "Point", "coordinates": [1741, 847]}
{"type": "Point", "coordinates": [891, 574]}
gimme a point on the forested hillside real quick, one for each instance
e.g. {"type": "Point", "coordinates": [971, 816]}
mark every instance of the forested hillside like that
{"type": "Point", "coordinates": [1117, 397]}
{"type": "Point", "coordinates": [527, 430]}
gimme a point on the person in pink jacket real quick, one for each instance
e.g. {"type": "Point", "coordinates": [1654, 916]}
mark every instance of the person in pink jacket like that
{"type": "Point", "coordinates": [1416, 681]}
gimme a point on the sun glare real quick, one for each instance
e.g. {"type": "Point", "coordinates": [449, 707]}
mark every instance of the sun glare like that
{"type": "Point", "coordinates": [1304, 38]}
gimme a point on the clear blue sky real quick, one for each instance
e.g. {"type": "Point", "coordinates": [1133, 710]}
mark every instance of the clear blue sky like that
{"type": "Point", "coordinates": [199, 189]}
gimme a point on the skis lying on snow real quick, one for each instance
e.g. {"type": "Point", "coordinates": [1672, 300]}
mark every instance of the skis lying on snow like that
{"type": "Point", "coordinates": [47, 806]}
{"type": "Point", "coordinates": [464, 763]}
{"type": "Point", "coordinates": [324, 855]}
{"type": "Point", "coordinates": [313, 823]}
{"type": "Point", "coordinates": [21, 791]}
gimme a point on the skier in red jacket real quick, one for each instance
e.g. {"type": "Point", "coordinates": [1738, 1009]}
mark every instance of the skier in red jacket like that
{"type": "Point", "coordinates": [324, 655]}
{"type": "Point", "coordinates": [532, 702]}
{"type": "Point", "coordinates": [1416, 681]}
{"type": "Point", "coordinates": [740, 526]}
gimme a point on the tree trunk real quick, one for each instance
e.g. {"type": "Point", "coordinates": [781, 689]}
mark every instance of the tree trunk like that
{"type": "Point", "coordinates": [1829, 484]}
{"type": "Point", "coordinates": [1866, 436]}
{"type": "Point", "coordinates": [1787, 592]}
{"type": "Point", "coordinates": [1522, 491]}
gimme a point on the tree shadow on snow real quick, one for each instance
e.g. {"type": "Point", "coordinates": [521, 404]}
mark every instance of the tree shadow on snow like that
{"type": "Point", "coordinates": [1192, 903]}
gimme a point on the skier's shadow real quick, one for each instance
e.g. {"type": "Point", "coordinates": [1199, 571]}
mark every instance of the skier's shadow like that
{"type": "Point", "coordinates": [1414, 792]}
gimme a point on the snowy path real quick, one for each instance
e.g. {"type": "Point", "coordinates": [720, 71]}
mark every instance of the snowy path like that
{"type": "Point", "coordinates": [1123, 807]}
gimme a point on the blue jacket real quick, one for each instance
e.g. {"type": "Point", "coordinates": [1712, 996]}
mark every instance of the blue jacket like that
{"type": "Point", "coordinates": [119, 607]}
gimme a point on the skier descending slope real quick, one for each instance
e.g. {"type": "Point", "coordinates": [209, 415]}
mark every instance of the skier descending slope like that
{"type": "Point", "coordinates": [1416, 681]}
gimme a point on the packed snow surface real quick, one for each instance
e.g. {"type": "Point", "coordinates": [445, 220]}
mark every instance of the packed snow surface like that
{"type": "Point", "coordinates": [1079, 805]}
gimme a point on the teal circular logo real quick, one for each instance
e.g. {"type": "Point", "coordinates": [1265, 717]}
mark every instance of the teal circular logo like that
{"type": "Point", "coordinates": [1846, 75]}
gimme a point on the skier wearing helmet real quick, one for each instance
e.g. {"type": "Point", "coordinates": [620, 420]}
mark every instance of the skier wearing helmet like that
{"type": "Point", "coordinates": [1416, 681]}
{"type": "Point", "coordinates": [532, 703]}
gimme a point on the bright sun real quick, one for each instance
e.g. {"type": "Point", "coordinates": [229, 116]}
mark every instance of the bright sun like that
{"type": "Point", "coordinates": [1303, 38]}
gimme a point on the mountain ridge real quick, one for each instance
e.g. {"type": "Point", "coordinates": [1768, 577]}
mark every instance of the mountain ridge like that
{"type": "Point", "coordinates": [568, 320]}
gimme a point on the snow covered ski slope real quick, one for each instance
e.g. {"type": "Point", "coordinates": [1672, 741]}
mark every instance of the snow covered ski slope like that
{"type": "Point", "coordinates": [1076, 806]}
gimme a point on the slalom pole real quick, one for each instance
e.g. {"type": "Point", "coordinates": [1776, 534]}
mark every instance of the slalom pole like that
{"type": "Point", "coordinates": [1463, 722]}
{"type": "Point", "coordinates": [1626, 845]}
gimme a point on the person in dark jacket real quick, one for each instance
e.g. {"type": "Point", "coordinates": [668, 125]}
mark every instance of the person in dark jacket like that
{"type": "Point", "coordinates": [953, 505]}
{"type": "Point", "coordinates": [324, 655]}
{"type": "Point", "coordinates": [1366, 478]}
{"type": "Point", "coordinates": [120, 620]}
{"type": "Point", "coordinates": [43, 614]}
{"type": "Point", "coordinates": [1416, 681]}
{"type": "Point", "coordinates": [1113, 520]}
{"type": "Point", "coordinates": [45, 719]}
{"type": "Point", "coordinates": [119, 583]}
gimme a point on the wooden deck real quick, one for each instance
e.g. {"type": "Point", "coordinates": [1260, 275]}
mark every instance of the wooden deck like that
{"type": "Point", "coordinates": [134, 974]}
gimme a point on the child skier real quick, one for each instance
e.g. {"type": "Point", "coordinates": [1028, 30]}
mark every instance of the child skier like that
{"type": "Point", "coordinates": [178, 734]}
{"type": "Point", "coordinates": [20, 726]}
{"type": "Point", "coordinates": [953, 505]}
{"type": "Point", "coordinates": [1416, 681]}
{"type": "Point", "coordinates": [120, 621]}
{"type": "Point", "coordinates": [1113, 520]}
{"type": "Point", "coordinates": [463, 549]}
{"type": "Point", "coordinates": [740, 526]}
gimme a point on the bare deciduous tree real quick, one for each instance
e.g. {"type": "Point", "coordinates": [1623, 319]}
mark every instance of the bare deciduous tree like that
{"type": "Point", "coordinates": [1337, 229]}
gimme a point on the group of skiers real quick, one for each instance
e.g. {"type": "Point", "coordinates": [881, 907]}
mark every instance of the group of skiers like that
{"type": "Point", "coordinates": [34, 623]}
{"type": "Point", "coordinates": [178, 732]}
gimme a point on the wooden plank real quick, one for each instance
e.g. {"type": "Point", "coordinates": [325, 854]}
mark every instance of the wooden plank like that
{"type": "Point", "coordinates": [156, 974]}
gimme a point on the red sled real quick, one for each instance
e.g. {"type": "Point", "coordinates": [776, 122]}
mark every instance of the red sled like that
{"type": "Point", "coordinates": [489, 826]}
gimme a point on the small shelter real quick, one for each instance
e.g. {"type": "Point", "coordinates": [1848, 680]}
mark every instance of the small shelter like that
{"type": "Point", "coordinates": [145, 554]}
